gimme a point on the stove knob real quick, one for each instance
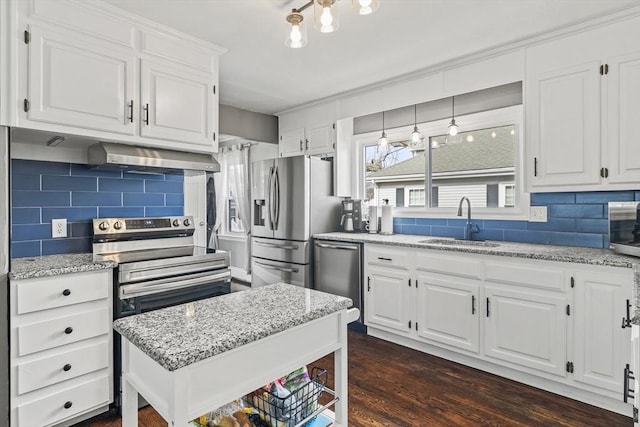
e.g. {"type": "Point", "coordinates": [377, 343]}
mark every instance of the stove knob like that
{"type": "Point", "coordinates": [176, 223]}
{"type": "Point", "coordinates": [103, 226]}
{"type": "Point", "coordinates": [117, 225]}
{"type": "Point", "coordinates": [187, 222]}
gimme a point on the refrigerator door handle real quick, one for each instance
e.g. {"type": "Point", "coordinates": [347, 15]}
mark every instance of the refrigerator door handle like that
{"type": "Point", "coordinates": [277, 197]}
{"type": "Point", "coordinates": [270, 197]}
{"type": "Point", "coordinates": [275, 267]}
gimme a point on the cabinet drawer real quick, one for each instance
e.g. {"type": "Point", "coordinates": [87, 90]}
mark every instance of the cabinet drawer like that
{"type": "Point", "coordinates": [62, 330]}
{"type": "Point", "coordinates": [51, 409]}
{"type": "Point", "coordinates": [388, 256]}
{"type": "Point", "coordinates": [448, 264]}
{"type": "Point", "coordinates": [284, 250]}
{"type": "Point", "coordinates": [57, 291]}
{"type": "Point", "coordinates": [535, 275]}
{"type": "Point", "coordinates": [63, 366]}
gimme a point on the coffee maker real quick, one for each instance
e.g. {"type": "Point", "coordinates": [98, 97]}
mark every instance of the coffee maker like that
{"type": "Point", "coordinates": [351, 219]}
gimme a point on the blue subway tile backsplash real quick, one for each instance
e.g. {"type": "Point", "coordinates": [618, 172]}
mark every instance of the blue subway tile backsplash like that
{"type": "Point", "coordinates": [573, 219]}
{"type": "Point", "coordinates": [42, 191]}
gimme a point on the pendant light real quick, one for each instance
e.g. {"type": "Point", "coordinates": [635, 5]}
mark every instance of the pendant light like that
{"type": "Point", "coordinates": [383, 141]}
{"type": "Point", "coordinates": [366, 7]}
{"type": "Point", "coordinates": [326, 15]}
{"type": "Point", "coordinates": [296, 31]}
{"type": "Point", "coordinates": [416, 136]}
{"type": "Point", "coordinates": [453, 127]}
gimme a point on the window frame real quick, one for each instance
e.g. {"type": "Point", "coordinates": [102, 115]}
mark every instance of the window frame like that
{"type": "Point", "coordinates": [493, 118]}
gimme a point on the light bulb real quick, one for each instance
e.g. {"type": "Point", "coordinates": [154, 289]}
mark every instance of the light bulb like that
{"type": "Point", "coordinates": [383, 141]}
{"type": "Point", "coordinates": [295, 37]}
{"type": "Point", "coordinates": [365, 7]}
{"type": "Point", "coordinates": [326, 20]}
{"type": "Point", "coordinates": [453, 128]}
{"type": "Point", "coordinates": [416, 136]}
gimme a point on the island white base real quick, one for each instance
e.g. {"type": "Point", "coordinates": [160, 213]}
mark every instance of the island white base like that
{"type": "Point", "coordinates": [184, 394]}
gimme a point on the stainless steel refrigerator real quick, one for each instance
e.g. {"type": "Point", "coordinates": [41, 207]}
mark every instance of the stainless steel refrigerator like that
{"type": "Point", "coordinates": [4, 269]}
{"type": "Point", "coordinates": [291, 199]}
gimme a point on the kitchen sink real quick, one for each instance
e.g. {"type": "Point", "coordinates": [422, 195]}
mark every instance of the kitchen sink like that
{"type": "Point", "coordinates": [456, 242]}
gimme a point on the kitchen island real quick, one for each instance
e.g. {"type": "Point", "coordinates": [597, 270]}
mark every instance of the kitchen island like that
{"type": "Point", "coordinates": [189, 359]}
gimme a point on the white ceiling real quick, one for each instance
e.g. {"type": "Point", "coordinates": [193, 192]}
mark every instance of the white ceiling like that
{"type": "Point", "coordinates": [259, 73]}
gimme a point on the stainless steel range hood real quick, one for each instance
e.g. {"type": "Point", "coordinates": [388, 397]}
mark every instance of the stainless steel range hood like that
{"type": "Point", "coordinates": [106, 155]}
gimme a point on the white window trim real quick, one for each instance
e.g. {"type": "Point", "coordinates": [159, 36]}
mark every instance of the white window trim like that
{"type": "Point", "coordinates": [494, 118]}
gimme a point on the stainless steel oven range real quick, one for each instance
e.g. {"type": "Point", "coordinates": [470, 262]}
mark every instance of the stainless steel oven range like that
{"type": "Point", "coordinates": [158, 266]}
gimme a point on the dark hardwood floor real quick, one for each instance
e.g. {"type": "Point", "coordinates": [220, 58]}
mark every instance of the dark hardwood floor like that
{"type": "Point", "coordinates": [390, 385]}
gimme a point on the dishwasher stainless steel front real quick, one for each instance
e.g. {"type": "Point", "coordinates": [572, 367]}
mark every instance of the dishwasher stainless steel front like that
{"type": "Point", "coordinates": [338, 270]}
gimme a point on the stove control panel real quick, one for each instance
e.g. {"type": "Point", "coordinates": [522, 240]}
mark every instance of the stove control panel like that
{"type": "Point", "coordinates": [106, 226]}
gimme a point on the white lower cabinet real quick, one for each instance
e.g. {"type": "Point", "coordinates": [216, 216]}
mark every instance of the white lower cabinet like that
{"type": "Point", "coordinates": [601, 348]}
{"type": "Point", "coordinates": [526, 327]}
{"type": "Point", "coordinates": [61, 348]}
{"type": "Point", "coordinates": [448, 311]}
{"type": "Point", "coordinates": [553, 325]}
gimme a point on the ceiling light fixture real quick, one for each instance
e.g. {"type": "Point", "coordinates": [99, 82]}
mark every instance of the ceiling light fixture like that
{"type": "Point", "coordinates": [297, 34]}
{"type": "Point", "coordinates": [366, 7]}
{"type": "Point", "coordinates": [453, 127]}
{"type": "Point", "coordinates": [325, 19]}
{"type": "Point", "coordinates": [55, 141]}
{"type": "Point", "coordinates": [383, 141]}
{"type": "Point", "coordinates": [416, 136]}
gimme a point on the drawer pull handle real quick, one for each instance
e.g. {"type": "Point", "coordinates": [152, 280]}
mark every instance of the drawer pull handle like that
{"type": "Point", "coordinates": [66, 292]}
{"type": "Point", "coordinates": [66, 367]}
{"type": "Point", "coordinates": [385, 259]}
{"type": "Point", "coordinates": [68, 404]}
{"type": "Point", "coordinates": [68, 330]}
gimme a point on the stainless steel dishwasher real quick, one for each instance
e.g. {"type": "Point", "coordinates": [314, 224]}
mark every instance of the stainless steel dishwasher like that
{"type": "Point", "coordinates": [338, 270]}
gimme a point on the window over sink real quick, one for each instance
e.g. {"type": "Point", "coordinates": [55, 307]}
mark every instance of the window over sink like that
{"type": "Point", "coordinates": [483, 162]}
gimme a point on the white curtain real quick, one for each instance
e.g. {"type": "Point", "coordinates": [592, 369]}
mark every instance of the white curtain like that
{"type": "Point", "coordinates": [222, 192]}
{"type": "Point", "coordinates": [238, 165]}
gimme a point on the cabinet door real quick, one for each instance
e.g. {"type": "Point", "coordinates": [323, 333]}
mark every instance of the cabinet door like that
{"type": "Point", "coordinates": [563, 126]}
{"type": "Point", "coordinates": [177, 105]}
{"type": "Point", "coordinates": [80, 81]}
{"type": "Point", "coordinates": [388, 299]}
{"type": "Point", "coordinates": [447, 311]}
{"type": "Point", "coordinates": [321, 139]}
{"type": "Point", "coordinates": [601, 345]}
{"type": "Point", "coordinates": [292, 142]}
{"type": "Point", "coordinates": [623, 112]}
{"type": "Point", "coordinates": [526, 327]}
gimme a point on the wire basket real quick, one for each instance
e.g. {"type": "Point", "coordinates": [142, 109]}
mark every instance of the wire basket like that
{"type": "Point", "coordinates": [298, 408]}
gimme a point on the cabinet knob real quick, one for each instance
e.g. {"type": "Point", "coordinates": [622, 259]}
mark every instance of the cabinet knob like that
{"type": "Point", "coordinates": [68, 330]}
{"type": "Point", "coordinates": [66, 292]}
{"type": "Point", "coordinates": [66, 367]}
{"type": "Point", "coordinates": [68, 404]}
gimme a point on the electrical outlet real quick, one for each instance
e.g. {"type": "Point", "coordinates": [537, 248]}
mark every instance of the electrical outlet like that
{"type": "Point", "coordinates": [538, 214]}
{"type": "Point", "coordinates": [59, 228]}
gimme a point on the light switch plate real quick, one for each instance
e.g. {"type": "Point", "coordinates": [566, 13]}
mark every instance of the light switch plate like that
{"type": "Point", "coordinates": [58, 228]}
{"type": "Point", "coordinates": [538, 214]}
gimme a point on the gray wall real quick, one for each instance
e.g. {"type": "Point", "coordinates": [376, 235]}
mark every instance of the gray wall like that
{"type": "Point", "coordinates": [248, 125]}
{"type": "Point", "coordinates": [472, 102]}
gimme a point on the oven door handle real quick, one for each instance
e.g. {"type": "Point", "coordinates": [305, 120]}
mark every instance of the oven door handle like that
{"type": "Point", "coordinates": [275, 267]}
{"type": "Point", "coordinates": [138, 275]}
{"type": "Point", "coordinates": [164, 285]}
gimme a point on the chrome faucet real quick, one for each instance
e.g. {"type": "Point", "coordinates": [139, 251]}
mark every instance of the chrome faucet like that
{"type": "Point", "coordinates": [469, 228]}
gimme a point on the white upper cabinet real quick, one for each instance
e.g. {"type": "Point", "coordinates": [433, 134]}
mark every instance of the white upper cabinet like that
{"type": "Point", "coordinates": [311, 131]}
{"type": "Point", "coordinates": [292, 142]}
{"type": "Point", "coordinates": [86, 68]}
{"type": "Point", "coordinates": [76, 81]}
{"type": "Point", "coordinates": [580, 103]}
{"type": "Point", "coordinates": [177, 104]}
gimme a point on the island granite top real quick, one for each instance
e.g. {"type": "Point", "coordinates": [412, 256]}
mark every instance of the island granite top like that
{"type": "Point", "coordinates": [54, 265]}
{"type": "Point", "coordinates": [580, 255]}
{"type": "Point", "coordinates": [178, 336]}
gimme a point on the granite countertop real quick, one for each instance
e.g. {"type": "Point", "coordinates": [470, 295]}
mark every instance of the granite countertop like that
{"type": "Point", "coordinates": [573, 254]}
{"type": "Point", "coordinates": [178, 336]}
{"type": "Point", "coordinates": [54, 265]}
{"type": "Point", "coordinates": [520, 250]}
